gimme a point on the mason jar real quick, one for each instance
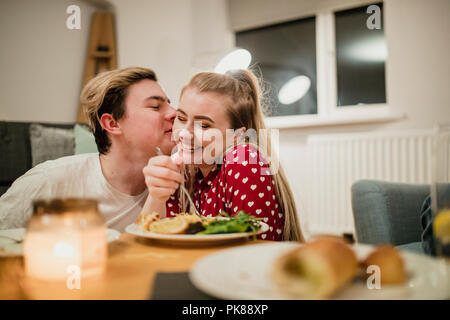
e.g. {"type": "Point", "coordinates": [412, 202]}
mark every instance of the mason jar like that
{"type": "Point", "coordinates": [65, 237]}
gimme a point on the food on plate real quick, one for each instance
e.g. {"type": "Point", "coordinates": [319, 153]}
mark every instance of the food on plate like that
{"type": "Point", "coordinates": [170, 226]}
{"type": "Point", "coordinates": [241, 222]}
{"type": "Point", "coordinates": [390, 262]}
{"type": "Point", "coordinates": [315, 270]}
{"type": "Point", "coordinates": [185, 223]}
{"type": "Point", "coordinates": [146, 219]}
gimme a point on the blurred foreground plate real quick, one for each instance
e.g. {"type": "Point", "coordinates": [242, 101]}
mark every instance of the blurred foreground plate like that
{"type": "Point", "coordinates": [245, 275]}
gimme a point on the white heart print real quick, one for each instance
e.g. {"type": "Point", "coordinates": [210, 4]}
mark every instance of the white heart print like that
{"type": "Point", "coordinates": [267, 203]}
{"type": "Point", "coordinates": [262, 179]}
{"type": "Point", "coordinates": [258, 211]}
{"type": "Point", "coordinates": [253, 186]}
{"type": "Point", "coordinates": [261, 195]}
{"type": "Point", "coordinates": [244, 163]}
{"type": "Point", "coordinates": [209, 200]}
{"type": "Point", "coordinates": [243, 196]}
{"type": "Point", "coordinates": [251, 203]}
{"type": "Point", "coordinates": [169, 205]}
{"type": "Point", "coordinates": [263, 236]}
{"type": "Point", "coordinates": [254, 170]}
{"type": "Point", "coordinates": [244, 180]}
{"type": "Point", "coordinates": [236, 192]}
{"type": "Point", "coordinates": [236, 175]}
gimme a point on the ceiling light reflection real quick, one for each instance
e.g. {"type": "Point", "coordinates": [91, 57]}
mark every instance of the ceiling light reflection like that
{"type": "Point", "coordinates": [294, 89]}
{"type": "Point", "coordinates": [237, 59]}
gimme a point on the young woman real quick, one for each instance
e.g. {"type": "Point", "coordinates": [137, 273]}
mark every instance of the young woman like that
{"type": "Point", "coordinates": [221, 141]}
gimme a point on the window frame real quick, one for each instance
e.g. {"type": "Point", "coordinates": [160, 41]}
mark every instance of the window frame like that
{"type": "Point", "coordinates": [328, 112]}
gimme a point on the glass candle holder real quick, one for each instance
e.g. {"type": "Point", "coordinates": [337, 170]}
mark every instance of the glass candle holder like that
{"type": "Point", "coordinates": [64, 237]}
{"type": "Point", "coordinates": [440, 189]}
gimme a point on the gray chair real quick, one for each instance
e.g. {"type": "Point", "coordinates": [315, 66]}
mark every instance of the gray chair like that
{"type": "Point", "coordinates": [386, 212]}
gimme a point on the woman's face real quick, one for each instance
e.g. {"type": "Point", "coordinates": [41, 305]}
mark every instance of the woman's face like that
{"type": "Point", "coordinates": [200, 127]}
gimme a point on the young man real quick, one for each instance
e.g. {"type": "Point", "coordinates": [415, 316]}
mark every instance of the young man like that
{"type": "Point", "coordinates": [130, 115]}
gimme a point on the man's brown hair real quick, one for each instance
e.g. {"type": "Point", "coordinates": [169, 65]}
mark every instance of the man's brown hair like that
{"type": "Point", "coordinates": [106, 93]}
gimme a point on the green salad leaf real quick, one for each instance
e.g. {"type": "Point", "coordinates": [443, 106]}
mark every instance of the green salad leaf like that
{"type": "Point", "coordinates": [241, 222]}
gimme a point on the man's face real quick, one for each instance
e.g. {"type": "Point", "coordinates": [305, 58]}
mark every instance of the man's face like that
{"type": "Point", "coordinates": [148, 119]}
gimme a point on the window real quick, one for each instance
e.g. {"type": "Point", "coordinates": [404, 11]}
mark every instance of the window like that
{"type": "Point", "coordinates": [360, 59]}
{"type": "Point", "coordinates": [340, 60]}
{"type": "Point", "coordinates": [283, 52]}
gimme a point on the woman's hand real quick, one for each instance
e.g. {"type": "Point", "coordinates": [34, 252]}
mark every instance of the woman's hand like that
{"type": "Point", "coordinates": [162, 177]}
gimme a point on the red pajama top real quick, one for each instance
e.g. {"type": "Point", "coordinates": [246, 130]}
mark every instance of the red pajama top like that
{"type": "Point", "coordinates": [242, 182]}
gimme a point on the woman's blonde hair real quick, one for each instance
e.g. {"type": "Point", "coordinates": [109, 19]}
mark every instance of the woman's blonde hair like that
{"type": "Point", "coordinates": [244, 109]}
{"type": "Point", "coordinates": [106, 93]}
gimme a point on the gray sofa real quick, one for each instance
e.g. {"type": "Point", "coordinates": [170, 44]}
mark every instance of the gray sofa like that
{"type": "Point", "coordinates": [25, 144]}
{"type": "Point", "coordinates": [386, 212]}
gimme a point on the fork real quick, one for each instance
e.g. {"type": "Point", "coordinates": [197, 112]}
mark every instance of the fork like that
{"type": "Point", "coordinates": [184, 190]}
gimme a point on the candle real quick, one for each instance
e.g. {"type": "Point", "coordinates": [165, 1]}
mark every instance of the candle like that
{"type": "Point", "coordinates": [65, 237]}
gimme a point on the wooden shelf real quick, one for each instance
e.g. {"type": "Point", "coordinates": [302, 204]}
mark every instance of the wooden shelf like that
{"type": "Point", "coordinates": [101, 53]}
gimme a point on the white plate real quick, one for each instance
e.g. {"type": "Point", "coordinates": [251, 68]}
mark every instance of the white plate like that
{"type": "Point", "coordinates": [9, 247]}
{"type": "Point", "coordinates": [193, 239]}
{"type": "Point", "coordinates": [245, 274]}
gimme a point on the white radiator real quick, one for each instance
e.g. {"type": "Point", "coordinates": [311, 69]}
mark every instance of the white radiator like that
{"type": "Point", "coordinates": [334, 162]}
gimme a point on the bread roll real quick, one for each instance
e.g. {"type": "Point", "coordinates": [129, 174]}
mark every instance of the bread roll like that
{"type": "Point", "coordinates": [316, 270]}
{"type": "Point", "coordinates": [391, 265]}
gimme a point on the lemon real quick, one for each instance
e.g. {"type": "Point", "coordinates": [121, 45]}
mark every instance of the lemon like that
{"type": "Point", "coordinates": [169, 226]}
{"type": "Point", "coordinates": [441, 226]}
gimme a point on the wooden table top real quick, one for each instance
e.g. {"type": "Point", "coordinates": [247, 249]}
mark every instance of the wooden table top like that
{"type": "Point", "coordinates": [131, 268]}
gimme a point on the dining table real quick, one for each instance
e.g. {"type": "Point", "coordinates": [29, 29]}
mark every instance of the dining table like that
{"type": "Point", "coordinates": [132, 264]}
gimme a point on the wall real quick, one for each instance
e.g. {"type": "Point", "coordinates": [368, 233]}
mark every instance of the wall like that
{"type": "Point", "coordinates": [41, 61]}
{"type": "Point", "coordinates": [156, 34]}
{"type": "Point", "coordinates": [176, 38]}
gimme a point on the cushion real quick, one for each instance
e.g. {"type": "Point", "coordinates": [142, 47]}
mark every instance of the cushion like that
{"type": "Point", "coordinates": [387, 212]}
{"type": "Point", "coordinates": [49, 143]}
{"type": "Point", "coordinates": [15, 157]}
{"type": "Point", "coordinates": [84, 140]}
{"type": "Point", "coordinates": [415, 247]}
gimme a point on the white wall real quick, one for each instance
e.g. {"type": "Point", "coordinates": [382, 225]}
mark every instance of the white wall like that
{"type": "Point", "coordinates": [158, 35]}
{"type": "Point", "coordinates": [176, 38]}
{"type": "Point", "coordinates": [41, 61]}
